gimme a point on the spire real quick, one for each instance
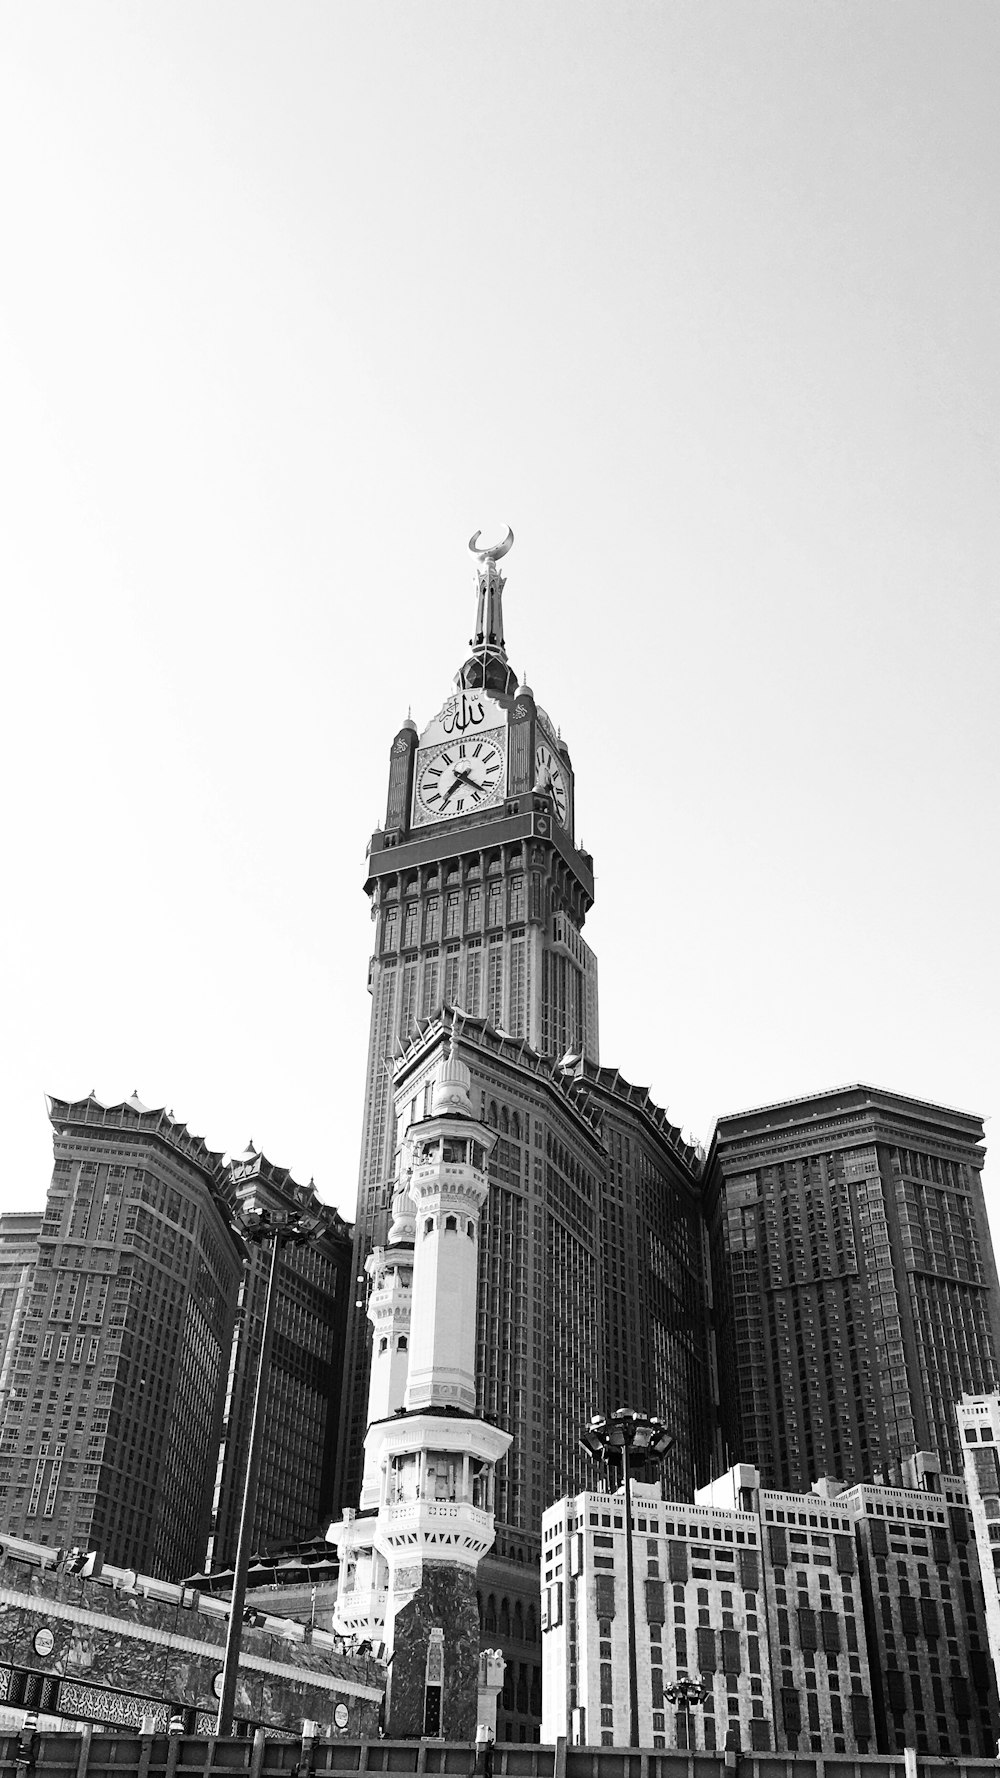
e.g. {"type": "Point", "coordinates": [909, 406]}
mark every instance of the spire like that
{"type": "Point", "coordinates": [451, 1095]}
{"type": "Point", "coordinates": [487, 667]}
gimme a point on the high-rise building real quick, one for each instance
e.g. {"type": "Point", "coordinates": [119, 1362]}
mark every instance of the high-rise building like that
{"type": "Point", "coordinates": [592, 1279]}
{"type": "Point", "coordinates": [838, 1621]}
{"type": "Point", "coordinates": [589, 1186]}
{"type": "Point", "coordinates": [313, 1287]}
{"type": "Point", "coordinates": [932, 1680]}
{"type": "Point", "coordinates": [478, 892]}
{"type": "Point", "coordinates": [19, 1232]}
{"type": "Point", "coordinates": [979, 1429]}
{"type": "Point", "coordinates": [699, 1615]}
{"type": "Point", "coordinates": [116, 1380]}
{"type": "Point", "coordinates": [855, 1285]}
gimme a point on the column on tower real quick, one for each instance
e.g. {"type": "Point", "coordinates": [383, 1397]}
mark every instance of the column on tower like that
{"type": "Point", "coordinates": [390, 1298]}
{"type": "Point", "coordinates": [409, 1559]}
{"type": "Point", "coordinates": [448, 1187]}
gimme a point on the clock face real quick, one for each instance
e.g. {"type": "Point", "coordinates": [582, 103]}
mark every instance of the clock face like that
{"type": "Point", "coordinates": [550, 775]}
{"type": "Point", "coordinates": [459, 777]}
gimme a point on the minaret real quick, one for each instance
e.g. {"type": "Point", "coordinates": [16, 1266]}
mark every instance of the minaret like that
{"type": "Point", "coordinates": [409, 1558]}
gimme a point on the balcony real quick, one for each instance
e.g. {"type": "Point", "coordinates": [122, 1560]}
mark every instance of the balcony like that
{"type": "Point", "coordinates": [436, 1512]}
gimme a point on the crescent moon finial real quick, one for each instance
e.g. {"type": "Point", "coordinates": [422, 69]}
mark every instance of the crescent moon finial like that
{"type": "Point", "coordinates": [493, 551]}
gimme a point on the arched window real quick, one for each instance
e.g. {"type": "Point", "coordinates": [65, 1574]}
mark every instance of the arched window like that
{"type": "Point", "coordinates": [402, 1343]}
{"type": "Point", "coordinates": [515, 1126]}
{"type": "Point", "coordinates": [491, 1114]}
{"type": "Point", "coordinates": [518, 1621]}
{"type": "Point", "coordinates": [383, 1344]}
{"type": "Point", "coordinates": [491, 1612]}
{"type": "Point", "coordinates": [451, 1225]}
{"type": "Point", "coordinates": [428, 1225]}
{"type": "Point", "coordinates": [504, 1121]}
{"type": "Point", "coordinates": [505, 1617]}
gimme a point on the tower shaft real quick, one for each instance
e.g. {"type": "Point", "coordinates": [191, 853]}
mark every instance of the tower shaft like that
{"type": "Point", "coordinates": [408, 1563]}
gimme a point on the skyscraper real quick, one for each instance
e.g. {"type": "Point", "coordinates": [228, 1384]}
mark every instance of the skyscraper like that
{"type": "Point", "coordinates": [855, 1284]}
{"type": "Point", "coordinates": [116, 1380]}
{"type": "Point", "coordinates": [302, 1402]}
{"type": "Point", "coordinates": [592, 1274]}
{"type": "Point", "coordinates": [19, 1232]}
{"type": "Point", "coordinates": [478, 893]}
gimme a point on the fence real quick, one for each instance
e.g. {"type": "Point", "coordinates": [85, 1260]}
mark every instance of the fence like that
{"type": "Point", "coordinates": [96, 1754]}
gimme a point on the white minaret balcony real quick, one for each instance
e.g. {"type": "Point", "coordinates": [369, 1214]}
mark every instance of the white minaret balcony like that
{"type": "Point", "coordinates": [362, 1585]}
{"type": "Point", "coordinates": [437, 1481]}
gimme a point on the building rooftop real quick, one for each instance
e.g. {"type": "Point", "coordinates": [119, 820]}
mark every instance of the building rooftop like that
{"type": "Point", "coordinates": [131, 1114]}
{"type": "Point", "coordinates": [853, 1097]}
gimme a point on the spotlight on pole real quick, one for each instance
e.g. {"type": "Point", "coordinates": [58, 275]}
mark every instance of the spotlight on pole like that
{"type": "Point", "coordinates": [628, 1443]}
{"type": "Point", "coordinates": [264, 1218]}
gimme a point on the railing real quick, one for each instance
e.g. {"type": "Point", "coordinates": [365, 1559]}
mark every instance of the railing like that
{"type": "Point", "coordinates": [453, 1171]}
{"type": "Point", "coordinates": [404, 1510]}
{"type": "Point", "coordinates": [97, 1754]}
{"type": "Point", "coordinates": [363, 1601]}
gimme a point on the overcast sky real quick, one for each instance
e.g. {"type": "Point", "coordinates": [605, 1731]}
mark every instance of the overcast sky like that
{"type": "Point", "coordinates": [702, 300]}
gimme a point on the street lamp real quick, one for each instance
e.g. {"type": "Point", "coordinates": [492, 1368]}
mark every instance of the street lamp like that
{"type": "Point", "coordinates": [688, 1693]}
{"type": "Point", "coordinates": [628, 1443]}
{"type": "Point", "coordinates": [262, 1218]}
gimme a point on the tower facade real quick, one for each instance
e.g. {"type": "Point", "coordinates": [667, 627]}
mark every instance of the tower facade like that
{"type": "Point", "coordinates": [856, 1288]}
{"type": "Point", "coordinates": [302, 1403]}
{"type": "Point", "coordinates": [592, 1284]}
{"type": "Point", "coordinates": [117, 1371]}
{"type": "Point", "coordinates": [19, 1232]}
{"type": "Point", "coordinates": [478, 894]}
{"type": "Point", "coordinates": [409, 1559]}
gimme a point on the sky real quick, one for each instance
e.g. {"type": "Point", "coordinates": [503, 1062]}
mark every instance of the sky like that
{"type": "Point", "coordinates": [701, 300]}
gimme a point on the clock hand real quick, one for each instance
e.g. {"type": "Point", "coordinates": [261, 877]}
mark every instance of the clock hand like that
{"type": "Point", "coordinates": [463, 778]}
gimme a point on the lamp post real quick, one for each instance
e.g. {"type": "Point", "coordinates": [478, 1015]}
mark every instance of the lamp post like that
{"type": "Point", "coordinates": [263, 1220]}
{"type": "Point", "coordinates": [688, 1693]}
{"type": "Point", "coordinates": [628, 1442]}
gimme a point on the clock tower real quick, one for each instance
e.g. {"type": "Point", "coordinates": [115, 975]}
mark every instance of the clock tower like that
{"type": "Point", "coordinates": [478, 894]}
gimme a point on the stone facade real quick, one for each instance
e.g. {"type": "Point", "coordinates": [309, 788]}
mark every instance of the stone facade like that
{"type": "Point", "coordinates": [447, 1599]}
